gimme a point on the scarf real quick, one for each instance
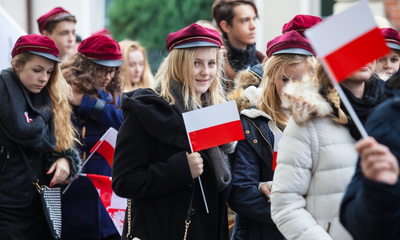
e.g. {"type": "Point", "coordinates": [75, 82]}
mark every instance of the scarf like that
{"type": "Point", "coordinates": [25, 118]}
{"type": "Point", "coordinates": [241, 59]}
{"type": "Point", "coordinates": [373, 96]}
{"type": "Point", "coordinates": [217, 155]}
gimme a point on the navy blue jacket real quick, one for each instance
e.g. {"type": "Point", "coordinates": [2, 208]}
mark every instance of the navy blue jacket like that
{"type": "Point", "coordinates": [371, 210]}
{"type": "Point", "coordinates": [84, 216]}
{"type": "Point", "coordinates": [252, 164]}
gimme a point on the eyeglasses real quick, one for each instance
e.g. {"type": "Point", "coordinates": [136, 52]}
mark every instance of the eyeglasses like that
{"type": "Point", "coordinates": [103, 72]}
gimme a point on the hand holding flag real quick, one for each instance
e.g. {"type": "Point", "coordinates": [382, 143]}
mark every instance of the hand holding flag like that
{"type": "Point", "coordinates": [213, 126]}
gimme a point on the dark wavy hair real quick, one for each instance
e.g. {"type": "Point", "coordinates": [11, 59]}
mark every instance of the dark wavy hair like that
{"type": "Point", "coordinates": [82, 73]}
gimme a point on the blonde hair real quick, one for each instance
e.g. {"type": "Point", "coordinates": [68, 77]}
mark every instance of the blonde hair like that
{"type": "Point", "coordinates": [332, 95]}
{"type": "Point", "coordinates": [147, 78]}
{"type": "Point", "coordinates": [59, 91]}
{"type": "Point", "coordinates": [179, 66]}
{"type": "Point", "coordinates": [273, 67]}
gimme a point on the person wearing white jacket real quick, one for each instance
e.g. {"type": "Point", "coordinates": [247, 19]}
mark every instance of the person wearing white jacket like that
{"type": "Point", "coordinates": [316, 160]}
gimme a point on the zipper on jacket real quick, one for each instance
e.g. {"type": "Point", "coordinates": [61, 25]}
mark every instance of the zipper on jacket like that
{"type": "Point", "coordinates": [329, 227]}
{"type": "Point", "coordinates": [260, 132]}
{"type": "Point", "coordinates": [5, 160]}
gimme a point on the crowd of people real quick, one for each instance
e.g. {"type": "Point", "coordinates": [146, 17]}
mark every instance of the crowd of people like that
{"type": "Point", "coordinates": [62, 93]}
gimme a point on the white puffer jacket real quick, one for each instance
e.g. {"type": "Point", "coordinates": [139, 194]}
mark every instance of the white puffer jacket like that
{"type": "Point", "coordinates": [316, 160]}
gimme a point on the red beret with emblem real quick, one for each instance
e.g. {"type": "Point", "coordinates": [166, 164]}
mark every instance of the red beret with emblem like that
{"type": "Point", "coordinates": [290, 43]}
{"type": "Point", "coordinates": [54, 14]}
{"type": "Point", "coordinates": [300, 23]}
{"type": "Point", "coordinates": [193, 36]}
{"type": "Point", "coordinates": [392, 37]}
{"type": "Point", "coordinates": [38, 45]}
{"type": "Point", "coordinates": [102, 50]}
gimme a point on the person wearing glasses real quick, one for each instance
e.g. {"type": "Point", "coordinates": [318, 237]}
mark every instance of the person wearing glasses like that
{"type": "Point", "coordinates": [94, 75]}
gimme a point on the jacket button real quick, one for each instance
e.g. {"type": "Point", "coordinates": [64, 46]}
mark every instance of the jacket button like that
{"type": "Point", "coordinates": [247, 131]}
{"type": "Point", "coordinates": [255, 141]}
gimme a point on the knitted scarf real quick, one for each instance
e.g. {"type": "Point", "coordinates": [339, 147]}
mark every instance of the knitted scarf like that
{"type": "Point", "coordinates": [25, 118]}
{"type": "Point", "coordinates": [218, 155]}
{"type": "Point", "coordinates": [241, 59]}
{"type": "Point", "coordinates": [373, 96]}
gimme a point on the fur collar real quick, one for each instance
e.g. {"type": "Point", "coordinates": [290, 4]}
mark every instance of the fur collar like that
{"type": "Point", "coordinates": [243, 81]}
{"type": "Point", "coordinates": [303, 101]}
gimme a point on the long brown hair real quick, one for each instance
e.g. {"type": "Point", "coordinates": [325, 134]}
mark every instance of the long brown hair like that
{"type": "Point", "coordinates": [82, 73]}
{"type": "Point", "coordinates": [59, 91]}
{"type": "Point", "coordinates": [332, 95]}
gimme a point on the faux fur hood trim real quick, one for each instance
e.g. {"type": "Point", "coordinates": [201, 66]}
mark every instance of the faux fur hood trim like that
{"type": "Point", "coordinates": [303, 101]}
{"type": "Point", "coordinates": [243, 81]}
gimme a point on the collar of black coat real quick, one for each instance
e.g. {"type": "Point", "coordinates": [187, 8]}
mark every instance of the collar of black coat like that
{"type": "Point", "coordinates": [158, 117]}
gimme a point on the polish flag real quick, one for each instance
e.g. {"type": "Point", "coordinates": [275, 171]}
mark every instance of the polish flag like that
{"type": "Point", "coordinates": [106, 145]}
{"type": "Point", "coordinates": [115, 205]}
{"type": "Point", "coordinates": [277, 138]}
{"type": "Point", "coordinates": [213, 126]}
{"type": "Point", "coordinates": [348, 41]}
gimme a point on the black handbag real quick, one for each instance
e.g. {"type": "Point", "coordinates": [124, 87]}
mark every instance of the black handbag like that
{"type": "Point", "coordinates": [51, 201]}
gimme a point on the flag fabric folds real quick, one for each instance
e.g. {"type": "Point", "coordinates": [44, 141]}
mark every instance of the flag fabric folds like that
{"type": "Point", "coordinates": [213, 126]}
{"type": "Point", "coordinates": [348, 41]}
{"type": "Point", "coordinates": [115, 205]}
{"type": "Point", "coordinates": [106, 145]}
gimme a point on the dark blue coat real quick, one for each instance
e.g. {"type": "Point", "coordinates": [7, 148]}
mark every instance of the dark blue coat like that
{"type": "Point", "coordinates": [84, 216]}
{"type": "Point", "coordinates": [252, 164]}
{"type": "Point", "coordinates": [371, 210]}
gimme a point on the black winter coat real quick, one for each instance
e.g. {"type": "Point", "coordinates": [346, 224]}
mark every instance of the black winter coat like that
{"type": "Point", "coordinates": [151, 167]}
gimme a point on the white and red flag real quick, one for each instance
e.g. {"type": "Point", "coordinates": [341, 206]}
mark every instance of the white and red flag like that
{"type": "Point", "coordinates": [277, 138]}
{"type": "Point", "coordinates": [213, 126]}
{"type": "Point", "coordinates": [106, 145]}
{"type": "Point", "coordinates": [348, 41]}
{"type": "Point", "coordinates": [115, 205]}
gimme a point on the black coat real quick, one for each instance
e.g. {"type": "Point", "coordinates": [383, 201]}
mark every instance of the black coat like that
{"type": "Point", "coordinates": [151, 167]}
{"type": "Point", "coordinates": [370, 210]}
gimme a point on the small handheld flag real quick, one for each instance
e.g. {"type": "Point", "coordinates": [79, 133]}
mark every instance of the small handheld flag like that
{"type": "Point", "coordinates": [213, 126]}
{"type": "Point", "coordinates": [106, 145]}
{"type": "Point", "coordinates": [346, 42]}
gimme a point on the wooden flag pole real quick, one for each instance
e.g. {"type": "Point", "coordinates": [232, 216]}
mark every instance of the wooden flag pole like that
{"type": "Point", "coordinates": [345, 101]}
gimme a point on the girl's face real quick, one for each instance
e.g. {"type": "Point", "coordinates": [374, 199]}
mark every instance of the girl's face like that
{"type": "Point", "coordinates": [205, 69]}
{"type": "Point", "coordinates": [36, 73]}
{"type": "Point", "coordinates": [136, 65]}
{"type": "Point", "coordinates": [292, 72]}
{"type": "Point", "coordinates": [363, 74]}
{"type": "Point", "coordinates": [388, 64]}
{"type": "Point", "coordinates": [105, 75]}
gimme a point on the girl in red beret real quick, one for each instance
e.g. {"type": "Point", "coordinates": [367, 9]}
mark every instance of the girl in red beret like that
{"type": "Point", "coordinates": [153, 165]}
{"type": "Point", "coordinates": [95, 78]}
{"type": "Point", "coordinates": [35, 129]}
{"type": "Point", "coordinates": [258, 96]}
{"type": "Point", "coordinates": [137, 73]}
{"type": "Point", "coordinates": [388, 65]}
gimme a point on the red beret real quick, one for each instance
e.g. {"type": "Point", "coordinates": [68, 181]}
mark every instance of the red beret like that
{"type": "Point", "coordinates": [289, 43]}
{"type": "Point", "coordinates": [54, 14]}
{"type": "Point", "coordinates": [392, 37]}
{"type": "Point", "coordinates": [36, 44]}
{"type": "Point", "coordinates": [193, 36]}
{"type": "Point", "coordinates": [102, 50]}
{"type": "Point", "coordinates": [104, 32]}
{"type": "Point", "coordinates": [300, 23]}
